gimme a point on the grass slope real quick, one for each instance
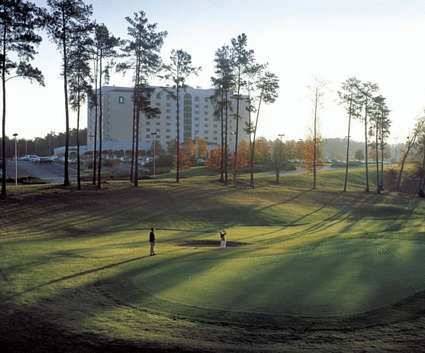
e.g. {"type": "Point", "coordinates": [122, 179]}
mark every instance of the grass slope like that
{"type": "Point", "coordinates": [307, 262]}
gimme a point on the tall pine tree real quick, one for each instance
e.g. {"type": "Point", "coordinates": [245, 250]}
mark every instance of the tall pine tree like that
{"type": "Point", "coordinates": [19, 21]}
{"type": "Point", "coordinates": [142, 51]}
{"type": "Point", "coordinates": [67, 17]}
{"type": "Point", "coordinates": [178, 70]}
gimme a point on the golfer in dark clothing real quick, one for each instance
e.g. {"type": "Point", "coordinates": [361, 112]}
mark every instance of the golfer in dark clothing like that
{"type": "Point", "coordinates": [152, 242]}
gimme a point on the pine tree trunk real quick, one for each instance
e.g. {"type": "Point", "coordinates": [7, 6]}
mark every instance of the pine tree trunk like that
{"type": "Point", "coordinates": [133, 134]}
{"type": "Point", "coordinates": [226, 142]}
{"type": "Point", "coordinates": [366, 149]}
{"type": "Point", "coordinates": [423, 168]}
{"type": "Point", "coordinates": [3, 132]}
{"type": "Point", "coordinates": [78, 142]}
{"type": "Point", "coordinates": [251, 147]}
{"type": "Point", "coordinates": [254, 138]}
{"type": "Point", "coordinates": [222, 136]}
{"type": "Point", "coordinates": [235, 158]}
{"type": "Point", "coordinates": [178, 134]}
{"type": "Point", "coordinates": [347, 159]}
{"type": "Point", "coordinates": [378, 189]}
{"type": "Point", "coordinates": [315, 141]}
{"type": "Point", "coordinates": [136, 108]}
{"type": "Point", "coordinates": [381, 185]}
{"type": "Point", "coordinates": [95, 120]}
{"type": "Point", "coordinates": [422, 181]}
{"type": "Point", "coordinates": [65, 88]}
{"type": "Point", "coordinates": [403, 162]}
{"type": "Point", "coordinates": [99, 166]}
{"type": "Point", "coordinates": [136, 149]}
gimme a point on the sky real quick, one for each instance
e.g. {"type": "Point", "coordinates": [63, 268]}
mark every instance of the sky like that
{"type": "Point", "coordinates": [302, 40]}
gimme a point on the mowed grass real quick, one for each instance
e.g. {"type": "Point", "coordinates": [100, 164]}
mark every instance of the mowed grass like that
{"type": "Point", "coordinates": [79, 259]}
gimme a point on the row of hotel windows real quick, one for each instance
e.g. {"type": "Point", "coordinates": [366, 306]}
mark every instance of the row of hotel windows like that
{"type": "Point", "coordinates": [148, 123]}
{"type": "Point", "coordinates": [121, 100]}
{"type": "Point", "coordinates": [169, 138]}
{"type": "Point", "coordinates": [206, 132]}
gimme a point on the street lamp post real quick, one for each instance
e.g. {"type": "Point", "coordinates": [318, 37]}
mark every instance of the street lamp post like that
{"type": "Point", "coordinates": [154, 134]}
{"type": "Point", "coordinates": [15, 135]}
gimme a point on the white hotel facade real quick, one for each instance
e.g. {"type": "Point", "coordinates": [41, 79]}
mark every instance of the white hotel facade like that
{"type": "Point", "coordinates": [197, 119]}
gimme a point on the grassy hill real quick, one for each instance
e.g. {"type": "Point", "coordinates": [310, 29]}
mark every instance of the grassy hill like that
{"type": "Point", "coordinates": [305, 270]}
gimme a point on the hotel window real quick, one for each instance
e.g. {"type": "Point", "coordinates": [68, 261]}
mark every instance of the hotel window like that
{"type": "Point", "coordinates": [121, 100]}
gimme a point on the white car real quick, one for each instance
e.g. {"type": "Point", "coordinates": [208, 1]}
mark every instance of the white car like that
{"type": "Point", "coordinates": [34, 158]}
{"type": "Point", "coordinates": [25, 158]}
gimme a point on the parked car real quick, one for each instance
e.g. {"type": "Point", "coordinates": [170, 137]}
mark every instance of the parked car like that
{"type": "Point", "coordinates": [44, 160]}
{"type": "Point", "coordinates": [25, 158]}
{"type": "Point", "coordinates": [53, 158]}
{"type": "Point", "coordinates": [34, 158]}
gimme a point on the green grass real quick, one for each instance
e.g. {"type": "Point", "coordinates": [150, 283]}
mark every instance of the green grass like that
{"type": "Point", "coordinates": [323, 256]}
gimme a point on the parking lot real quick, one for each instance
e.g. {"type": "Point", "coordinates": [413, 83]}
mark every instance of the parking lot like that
{"type": "Point", "coordinates": [47, 172]}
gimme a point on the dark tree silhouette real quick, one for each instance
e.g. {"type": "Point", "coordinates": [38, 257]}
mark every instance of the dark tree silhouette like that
{"type": "Point", "coordinates": [223, 83]}
{"type": "Point", "coordinates": [243, 58]}
{"type": "Point", "coordinates": [105, 45]}
{"type": "Point", "coordinates": [65, 18]}
{"type": "Point", "coordinates": [266, 89]}
{"type": "Point", "coordinates": [142, 52]}
{"type": "Point", "coordinates": [411, 143]}
{"type": "Point", "coordinates": [350, 98]}
{"type": "Point", "coordinates": [367, 91]}
{"type": "Point", "coordinates": [178, 70]}
{"type": "Point", "coordinates": [19, 21]}
{"type": "Point", "coordinates": [79, 79]}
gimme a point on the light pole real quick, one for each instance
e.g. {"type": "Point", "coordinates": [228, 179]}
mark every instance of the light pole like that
{"type": "Point", "coordinates": [15, 135]}
{"type": "Point", "coordinates": [154, 134]}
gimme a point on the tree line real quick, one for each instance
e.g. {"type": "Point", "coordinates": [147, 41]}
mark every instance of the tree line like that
{"type": "Point", "coordinates": [43, 146]}
{"type": "Point", "coordinates": [90, 53]}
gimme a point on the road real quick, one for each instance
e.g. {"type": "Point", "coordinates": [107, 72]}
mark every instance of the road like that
{"type": "Point", "coordinates": [48, 172]}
